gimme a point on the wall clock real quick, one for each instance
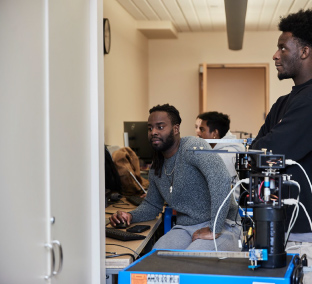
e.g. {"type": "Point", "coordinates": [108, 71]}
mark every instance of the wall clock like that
{"type": "Point", "coordinates": [106, 36]}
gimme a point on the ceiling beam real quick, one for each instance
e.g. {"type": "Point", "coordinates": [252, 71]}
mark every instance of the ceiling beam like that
{"type": "Point", "coordinates": [235, 12]}
{"type": "Point", "coordinates": [157, 29]}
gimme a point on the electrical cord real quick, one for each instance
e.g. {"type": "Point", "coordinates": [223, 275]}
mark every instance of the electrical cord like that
{"type": "Point", "coordinates": [292, 221]}
{"type": "Point", "coordinates": [306, 212]}
{"type": "Point", "coordinates": [246, 180]}
{"type": "Point", "coordinates": [123, 247]}
{"type": "Point", "coordinates": [114, 254]}
{"type": "Point", "coordinates": [292, 201]}
{"type": "Point", "coordinates": [295, 211]}
{"type": "Point", "coordinates": [297, 246]}
{"type": "Point", "coordinates": [237, 178]}
{"type": "Point", "coordinates": [291, 162]}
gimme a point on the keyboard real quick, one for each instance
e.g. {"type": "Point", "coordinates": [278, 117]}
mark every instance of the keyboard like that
{"type": "Point", "coordinates": [135, 199]}
{"type": "Point", "coordinates": [122, 235]}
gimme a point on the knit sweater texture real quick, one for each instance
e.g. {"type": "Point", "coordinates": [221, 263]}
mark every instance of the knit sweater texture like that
{"type": "Point", "coordinates": [200, 183]}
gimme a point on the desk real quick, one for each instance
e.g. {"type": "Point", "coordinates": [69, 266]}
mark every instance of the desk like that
{"type": "Point", "coordinates": [114, 265]}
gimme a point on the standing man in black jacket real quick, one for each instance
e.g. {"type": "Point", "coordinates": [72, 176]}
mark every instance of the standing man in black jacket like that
{"type": "Point", "coordinates": [288, 126]}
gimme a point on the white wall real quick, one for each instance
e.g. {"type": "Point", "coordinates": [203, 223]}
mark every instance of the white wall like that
{"type": "Point", "coordinates": [173, 68]}
{"type": "Point", "coordinates": [125, 74]}
{"type": "Point", "coordinates": [141, 73]}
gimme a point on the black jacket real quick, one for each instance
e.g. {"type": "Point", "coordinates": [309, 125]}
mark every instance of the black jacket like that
{"type": "Point", "coordinates": [288, 130]}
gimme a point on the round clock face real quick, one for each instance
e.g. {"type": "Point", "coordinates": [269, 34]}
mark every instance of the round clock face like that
{"type": "Point", "coordinates": [107, 36]}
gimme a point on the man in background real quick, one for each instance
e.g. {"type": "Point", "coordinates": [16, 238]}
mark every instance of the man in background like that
{"type": "Point", "coordinates": [216, 125]}
{"type": "Point", "coordinates": [287, 128]}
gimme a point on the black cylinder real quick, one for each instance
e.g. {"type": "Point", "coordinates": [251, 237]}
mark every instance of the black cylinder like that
{"type": "Point", "coordinates": [270, 235]}
{"type": "Point", "coordinates": [243, 170]}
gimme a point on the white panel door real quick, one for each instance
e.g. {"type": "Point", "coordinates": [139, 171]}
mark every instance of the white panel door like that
{"type": "Point", "coordinates": [51, 156]}
{"type": "Point", "coordinates": [23, 178]}
{"type": "Point", "coordinates": [73, 115]}
{"type": "Point", "coordinates": [70, 140]}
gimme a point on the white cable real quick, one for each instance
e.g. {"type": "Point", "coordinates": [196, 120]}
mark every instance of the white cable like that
{"type": "Point", "coordinates": [291, 162]}
{"type": "Point", "coordinates": [295, 202]}
{"type": "Point", "coordinates": [296, 210]}
{"type": "Point", "coordinates": [293, 219]}
{"type": "Point", "coordinates": [246, 180]}
{"type": "Point", "coordinates": [305, 210]}
{"type": "Point", "coordinates": [297, 246]}
{"type": "Point", "coordinates": [233, 193]}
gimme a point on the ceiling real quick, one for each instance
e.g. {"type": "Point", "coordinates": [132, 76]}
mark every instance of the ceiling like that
{"type": "Point", "coordinates": [168, 18]}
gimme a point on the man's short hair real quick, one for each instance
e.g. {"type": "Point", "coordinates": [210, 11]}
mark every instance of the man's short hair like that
{"type": "Point", "coordinates": [216, 120]}
{"type": "Point", "coordinates": [173, 113]}
{"type": "Point", "coordinates": [300, 25]}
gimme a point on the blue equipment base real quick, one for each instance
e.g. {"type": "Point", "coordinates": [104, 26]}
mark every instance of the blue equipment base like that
{"type": "Point", "coordinates": [152, 268]}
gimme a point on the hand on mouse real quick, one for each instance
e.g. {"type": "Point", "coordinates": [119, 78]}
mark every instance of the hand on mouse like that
{"type": "Point", "coordinates": [120, 217]}
{"type": "Point", "coordinates": [204, 233]}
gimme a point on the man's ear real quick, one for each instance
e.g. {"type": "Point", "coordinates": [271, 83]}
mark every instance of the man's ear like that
{"type": "Point", "coordinates": [216, 134]}
{"type": "Point", "coordinates": [176, 128]}
{"type": "Point", "coordinates": [306, 52]}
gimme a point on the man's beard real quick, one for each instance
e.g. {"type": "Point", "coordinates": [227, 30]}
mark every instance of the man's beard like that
{"type": "Point", "coordinates": [290, 73]}
{"type": "Point", "coordinates": [167, 144]}
{"type": "Point", "coordinates": [282, 76]}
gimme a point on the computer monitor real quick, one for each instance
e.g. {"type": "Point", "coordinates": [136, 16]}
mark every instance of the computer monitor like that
{"type": "Point", "coordinates": [135, 135]}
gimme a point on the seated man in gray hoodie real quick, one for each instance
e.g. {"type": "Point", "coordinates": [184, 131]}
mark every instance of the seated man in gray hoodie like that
{"type": "Point", "coordinates": [195, 185]}
{"type": "Point", "coordinates": [216, 125]}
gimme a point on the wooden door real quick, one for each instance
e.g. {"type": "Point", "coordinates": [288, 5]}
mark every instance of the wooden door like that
{"type": "Point", "coordinates": [240, 91]}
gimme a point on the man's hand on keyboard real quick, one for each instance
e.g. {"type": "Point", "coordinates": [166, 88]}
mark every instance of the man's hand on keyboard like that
{"type": "Point", "coordinates": [120, 217]}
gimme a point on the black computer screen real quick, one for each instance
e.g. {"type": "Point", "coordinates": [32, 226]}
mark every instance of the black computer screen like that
{"type": "Point", "coordinates": [138, 141]}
